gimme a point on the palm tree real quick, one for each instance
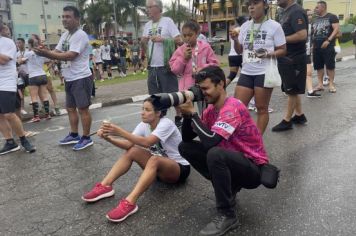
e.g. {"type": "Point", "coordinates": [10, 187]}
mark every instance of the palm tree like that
{"type": "Point", "coordinates": [132, 9]}
{"type": "Point", "coordinates": [178, 14]}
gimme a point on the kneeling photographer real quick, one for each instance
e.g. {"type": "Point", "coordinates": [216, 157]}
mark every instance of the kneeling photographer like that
{"type": "Point", "coordinates": [230, 152]}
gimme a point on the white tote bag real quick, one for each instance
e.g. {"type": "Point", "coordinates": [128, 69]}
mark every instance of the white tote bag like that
{"type": "Point", "coordinates": [272, 76]}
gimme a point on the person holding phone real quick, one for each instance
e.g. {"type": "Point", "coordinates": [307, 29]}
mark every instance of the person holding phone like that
{"type": "Point", "coordinates": [153, 145]}
{"type": "Point", "coordinates": [190, 58]}
{"type": "Point", "coordinates": [259, 39]}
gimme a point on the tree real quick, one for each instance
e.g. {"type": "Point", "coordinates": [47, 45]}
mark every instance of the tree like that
{"type": "Point", "coordinates": [178, 15]}
{"type": "Point", "coordinates": [97, 13]}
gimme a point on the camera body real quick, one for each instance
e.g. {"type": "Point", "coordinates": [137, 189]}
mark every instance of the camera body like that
{"type": "Point", "coordinates": [164, 101]}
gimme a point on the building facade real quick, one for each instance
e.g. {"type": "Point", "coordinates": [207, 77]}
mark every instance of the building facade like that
{"type": "Point", "coordinates": [4, 11]}
{"type": "Point", "coordinates": [32, 17]}
{"type": "Point", "coordinates": [343, 9]}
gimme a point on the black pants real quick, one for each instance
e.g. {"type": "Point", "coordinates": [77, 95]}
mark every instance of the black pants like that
{"type": "Point", "coordinates": [228, 171]}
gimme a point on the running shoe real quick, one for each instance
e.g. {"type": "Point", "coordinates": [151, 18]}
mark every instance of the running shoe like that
{"type": "Point", "coordinates": [69, 139]}
{"type": "Point", "coordinates": [47, 117]}
{"type": "Point", "coordinates": [35, 119]}
{"type": "Point", "coordinates": [122, 211]}
{"type": "Point", "coordinates": [98, 192]}
{"type": "Point", "coordinates": [9, 147]}
{"type": "Point", "coordinates": [57, 111]}
{"type": "Point", "coordinates": [23, 112]}
{"type": "Point", "coordinates": [83, 143]}
{"type": "Point", "coordinates": [28, 146]}
{"type": "Point", "coordinates": [313, 94]}
{"type": "Point", "coordinates": [301, 120]}
{"type": "Point", "coordinates": [326, 81]}
{"type": "Point", "coordinates": [283, 126]}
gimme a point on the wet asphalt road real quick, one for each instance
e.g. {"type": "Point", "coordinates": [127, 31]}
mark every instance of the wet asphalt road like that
{"type": "Point", "coordinates": [40, 193]}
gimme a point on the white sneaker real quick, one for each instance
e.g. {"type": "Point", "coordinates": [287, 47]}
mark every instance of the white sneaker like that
{"type": "Point", "coordinates": [23, 112]}
{"type": "Point", "coordinates": [326, 81]}
{"type": "Point", "coordinates": [134, 73]}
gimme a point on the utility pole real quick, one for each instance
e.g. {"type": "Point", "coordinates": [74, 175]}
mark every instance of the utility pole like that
{"type": "Point", "coordinates": [115, 25]}
{"type": "Point", "coordinates": [45, 23]}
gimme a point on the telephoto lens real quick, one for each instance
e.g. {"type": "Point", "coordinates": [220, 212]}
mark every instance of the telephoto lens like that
{"type": "Point", "coordinates": [166, 100]}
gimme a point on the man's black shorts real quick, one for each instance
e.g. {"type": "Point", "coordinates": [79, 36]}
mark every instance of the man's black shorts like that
{"type": "Point", "coordinates": [38, 80]}
{"type": "Point", "coordinates": [293, 73]}
{"type": "Point", "coordinates": [235, 61]}
{"type": "Point", "coordinates": [7, 102]}
{"type": "Point", "coordinates": [323, 57]}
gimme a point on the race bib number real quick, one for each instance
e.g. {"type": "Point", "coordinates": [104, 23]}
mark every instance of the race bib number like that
{"type": "Point", "coordinates": [250, 56]}
{"type": "Point", "coordinates": [135, 53]}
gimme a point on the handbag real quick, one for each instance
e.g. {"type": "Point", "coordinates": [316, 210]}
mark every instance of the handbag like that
{"type": "Point", "coordinates": [272, 76]}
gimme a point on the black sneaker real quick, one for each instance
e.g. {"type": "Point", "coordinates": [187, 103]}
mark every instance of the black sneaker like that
{"type": "Point", "coordinates": [220, 225]}
{"type": "Point", "coordinates": [313, 94]}
{"type": "Point", "coordinates": [178, 121]}
{"type": "Point", "coordinates": [301, 120]}
{"type": "Point", "coordinates": [283, 126]}
{"type": "Point", "coordinates": [9, 147]}
{"type": "Point", "coordinates": [28, 146]}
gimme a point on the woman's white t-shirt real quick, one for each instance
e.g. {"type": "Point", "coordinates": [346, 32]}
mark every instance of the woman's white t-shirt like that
{"type": "Point", "coordinates": [169, 137]}
{"type": "Point", "coordinates": [97, 55]}
{"type": "Point", "coordinates": [270, 35]}
{"type": "Point", "coordinates": [35, 64]}
{"type": "Point", "coordinates": [8, 74]}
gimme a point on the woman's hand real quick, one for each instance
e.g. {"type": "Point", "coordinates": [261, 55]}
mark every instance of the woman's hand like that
{"type": "Point", "coordinates": [111, 129]}
{"type": "Point", "coordinates": [188, 53]}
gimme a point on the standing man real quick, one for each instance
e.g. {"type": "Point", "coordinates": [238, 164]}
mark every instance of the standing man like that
{"type": "Point", "coordinates": [9, 121]}
{"type": "Point", "coordinates": [293, 66]}
{"type": "Point", "coordinates": [105, 55]}
{"type": "Point", "coordinates": [73, 51]}
{"type": "Point", "coordinates": [325, 29]}
{"type": "Point", "coordinates": [22, 70]}
{"type": "Point", "coordinates": [135, 50]}
{"type": "Point", "coordinates": [161, 34]}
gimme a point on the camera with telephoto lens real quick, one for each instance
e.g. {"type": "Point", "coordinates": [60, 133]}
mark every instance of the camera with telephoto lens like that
{"type": "Point", "coordinates": [163, 101]}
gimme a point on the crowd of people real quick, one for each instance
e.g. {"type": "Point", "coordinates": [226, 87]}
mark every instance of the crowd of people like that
{"type": "Point", "coordinates": [229, 151]}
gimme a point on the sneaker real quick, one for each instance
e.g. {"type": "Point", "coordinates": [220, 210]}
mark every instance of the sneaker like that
{"type": "Point", "coordinates": [98, 192]}
{"type": "Point", "coordinates": [313, 94]}
{"type": "Point", "coordinates": [28, 146]}
{"type": "Point", "coordinates": [23, 112]}
{"type": "Point", "coordinates": [9, 147]}
{"type": "Point", "coordinates": [301, 120]}
{"type": "Point", "coordinates": [35, 119]}
{"type": "Point", "coordinates": [69, 139]}
{"type": "Point", "coordinates": [252, 107]}
{"type": "Point", "coordinates": [270, 110]}
{"type": "Point", "coordinates": [83, 143]}
{"type": "Point", "coordinates": [122, 211]}
{"type": "Point", "coordinates": [57, 111]}
{"type": "Point", "coordinates": [30, 133]}
{"type": "Point", "coordinates": [178, 121]}
{"type": "Point", "coordinates": [47, 117]}
{"type": "Point", "coordinates": [220, 225]}
{"type": "Point", "coordinates": [283, 126]}
{"type": "Point", "coordinates": [326, 81]}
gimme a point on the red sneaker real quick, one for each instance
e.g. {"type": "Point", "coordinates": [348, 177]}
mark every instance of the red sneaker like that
{"type": "Point", "coordinates": [47, 117]}
{"type": "Point", "coordinates": [122, 211]}
{"type": "Point", "coordinates": [98, 192]}
{"type": "Point", "coordinates": [35, 119]}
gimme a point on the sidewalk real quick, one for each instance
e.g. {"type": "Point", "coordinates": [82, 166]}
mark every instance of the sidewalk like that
{"type": "Point", "coordinates": [134, 91]}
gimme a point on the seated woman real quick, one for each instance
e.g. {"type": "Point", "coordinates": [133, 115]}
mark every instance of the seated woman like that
{"type": "Point", "coordinates": [153, 145]}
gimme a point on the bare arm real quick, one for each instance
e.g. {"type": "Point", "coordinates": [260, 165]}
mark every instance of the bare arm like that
{"type": "Point", "coordinates": [55, 54]}
{"type": "Point", "coordinates": [279, 51]}
{"type": "Point", "coordinates": [237, 46]}
{"type": "Point", "coordinates": [111, 129]}
{"type": "Point", "coordinates": [4, 59]}
{"type": "Point", "coordinates": [336, 29]}
{"type": "Point", "coordinates": [298, 36]}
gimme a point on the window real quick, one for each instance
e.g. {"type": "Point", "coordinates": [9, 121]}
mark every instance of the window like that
{"type": "Point", "coordinates": [19, 36]}
{"type": "Point", "coordinates": [46, 2]}
{"type": "Point", "coordinates": [44, 31]}
{"type": "Point", "coordinates": [59, 31]}
{"type": "Point", "coordinates": [26, 35]}
{"type": "Point", "coordinates": [23, 16]}
{"type": "Point", "coordinates": [59, 17]}
{"type": "Point", "coordinates": [351, 15]}
{"type": "Point", "coordinates": [49, 17]}
{"type": "Point", "coordinates": [341, 17]}
{"type": "Point", "coordinates": [17, 2]}
{"type": "Point", "coordinates": [42, 16]}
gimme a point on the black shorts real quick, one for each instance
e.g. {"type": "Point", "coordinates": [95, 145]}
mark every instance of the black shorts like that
{"type": "Point", "coordinates": [251, 81]}
{"type": "Point", "coordinates": [38, 80]}
{"type": "Point", "coordinates": [184, 172]}
{"type": "Point", "coordinates": [135, 60]}
{"type": "Point", "coordinates": [235, 61]}
{"type": "Point", "coordinates": [7, 102]}
{"type": "Point", "coordinates": [323, 57]}
{"type": "Point", "coordinates": [309, 61]}
{"type": "Point", "coordinates": [293, 73]}
{"type": "Point", "coordinates": [78, 92]}
{"type": "Point", "coordinates": [18, 101]}
{"type": "Point", "coordinates": [107, 62]}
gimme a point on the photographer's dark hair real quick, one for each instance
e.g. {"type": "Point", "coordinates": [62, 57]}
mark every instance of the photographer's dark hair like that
{"type": "Point", "coordinates": [150, 100]}
{"type": "Point", "coordinates": [215, 73]}
{"type": "Point", "coordinates": [323, 3]}
{"type": "Point", "coordinates": [73, 9]}
{"type": "Point", "coordinates": [193, 25]}
{"type": "Point", "coordinates": [31, 42]}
